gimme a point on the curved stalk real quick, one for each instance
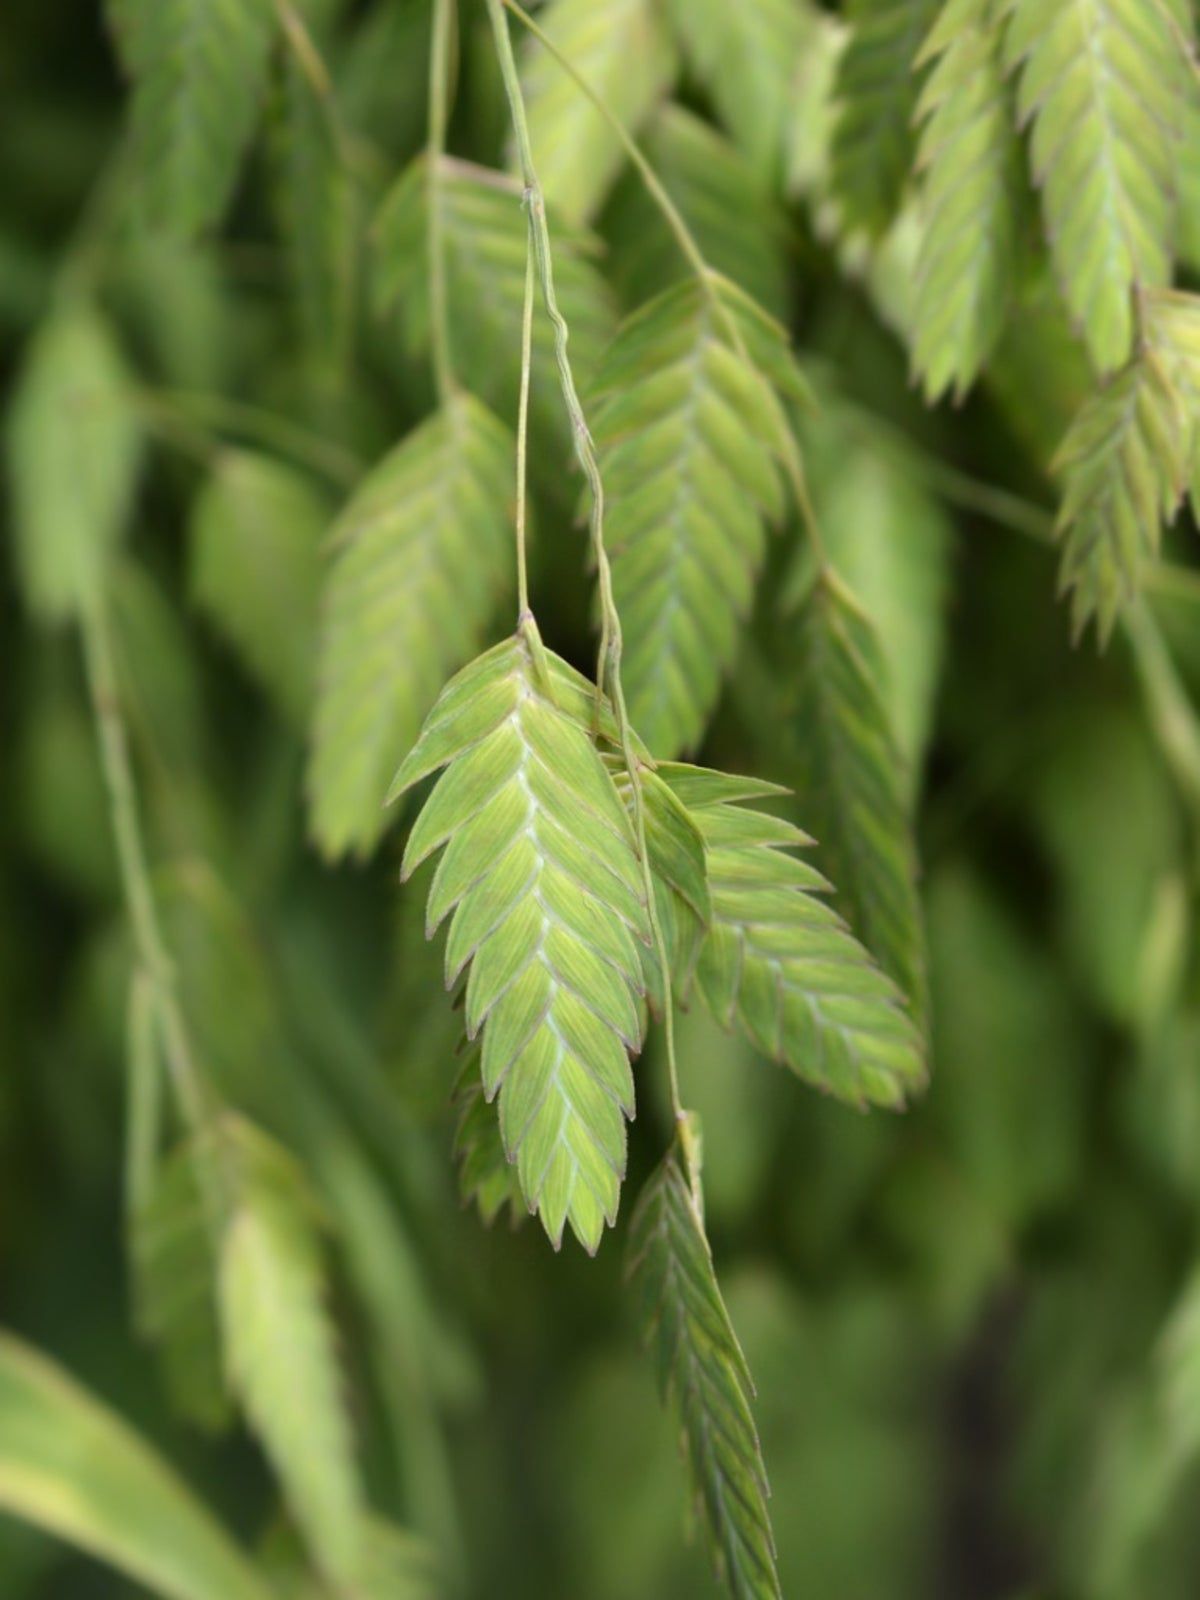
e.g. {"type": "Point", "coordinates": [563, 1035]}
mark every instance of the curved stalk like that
{"type": "Point", "coordinates": [692, 254]}
{"type": "Point", "coordinates": [523, 431]}
{"type": "Point", "coordinates": [439, 95]}
{"type": "Point", "coordinates": [610, 640]}
{"type": "Point", "coordinates": [149, 946]}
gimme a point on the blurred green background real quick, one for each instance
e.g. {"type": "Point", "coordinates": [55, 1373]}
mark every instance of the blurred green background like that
{"type": "Point", "coordinates": [973, 1327]}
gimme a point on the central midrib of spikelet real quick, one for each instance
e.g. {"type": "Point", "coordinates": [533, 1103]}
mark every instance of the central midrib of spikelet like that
{"type": "Point", "coordinates": [540, 879]}
{"type": "Point", "coordinates": [533, 1182]}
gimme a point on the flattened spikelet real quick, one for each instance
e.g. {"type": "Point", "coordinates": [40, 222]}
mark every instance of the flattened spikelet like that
{"type": "Point", "coordinates": [687, 431]}
{"type": "Point", "coordinates": [701, 1369]}
{"type": "Point", "coordinates": [780, 964]}
{"type": "Point", "coordinates": [541, 883]}
{"type": "Point", "coordinates": [420, 559]}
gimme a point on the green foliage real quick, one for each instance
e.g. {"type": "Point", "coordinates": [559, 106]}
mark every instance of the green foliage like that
{"type": "Point", "coordinates": [199, 75]}
{"type": "Point", "coordinates": [626, 55]}
{"type": "Point", "coordinates": [1103, 84]}
{"type": "Point", "coordinates": [540, 874]}
{"type": "Point", "coordinates": [1147, 1455]}
{"type": "Point", "coordinates": [1017, 1138]}
{"type": "Point", "coordinates": [1172, 331]}
{"type": "Point", "coordinates": [1178, 1375]}
{"type": "Point", "coordinates": [213, 941]}
{"type": "Point", "coordinates": [967, 158]}
{"type": "Point", "coordinates": [73, 448]}
{"type": "Point", "coordinates": [810, 138]}
{"type": "Point", "coordinates": [779, 961]}
{"type": "Point", "coordinates": [1103, 795]}
{"type": "Point", "coordinates": [485, 234]}
{"type": "Point", "coordinates": [382, 84]}
{"type": "Point", "coordinates": [305, 385]}
{"type": "Point", "coordinates": [72, 1467]}
{"type": "Point", "coordinates": [686, 427]}
{"type": "Point", "coordinates": [1189, 184]}
{"type": "Point", "coordinates": [486, 1178]}
{"type": "Point", "coordinates": [850, 782]}
{"type": "Point", "coordinates": [702, 1370]}
{"type": "Point", "coordinates": [1128, 459]}
{"type": "Point", "coordinates": [746, 56]}
{"type": "Point", "coordinates": [173, 1262]}
{"type": "Point", "coordinates": [396, 1566]}
{"type": "Point", "coordinates": [279, 1344]}
{"type": "Point", "coordinates": [1122, 466]}
{"type": "Point", "coordinates": [1038, 339]}
{"type": "Point", "coordinates": [254, 537]}
{"type": "Point", "coordinates": [318, 200]}
{"type": "Point", "coordinates": [675, 851]}
{"type": "Point", "coordinates": [875, 97]}
{"type": "Point", "coordinates": [418, 566]}
{"type": "Point", "coordinates": [733, 213]}
{"type": "Point", "coordinates": [890, 540]}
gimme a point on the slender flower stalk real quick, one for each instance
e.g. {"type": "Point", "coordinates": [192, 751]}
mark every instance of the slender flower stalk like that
{"type": "Point", "coordinates": [523, 431]}
{"type": "Point", "coordinates": [439, 101]}
{"type": "Point", "coordinates": [692, 254]}
{"type": "Point", "coordinates": [608, 671]}
{"type": "Point", "coordinates": [153, 962]}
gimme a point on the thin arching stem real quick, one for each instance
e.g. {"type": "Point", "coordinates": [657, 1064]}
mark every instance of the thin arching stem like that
{"type": "Point", "coordinates": [1169, 711]}
{"type": "Point", "coordinates": [1186, 48]}
{"type": "Point", "coordinates": [177, 412]}
{"type": "Point", "coordinates": [439, 99]}
{"type": "Point", "coordinates": [692, 254]}
{"type": "Point", "coordinates": [356, 158]}
{"type": "Point", "coordinates": [303, 47]}
{"type": "Point", "coordinates": [585, 451]}
{"type": "Point", "coordinates": [684, 236]}
{"type": "Point", "coordinates": [523, 431]}
{"type": "Point", "coordinates": [999, 506]}
{"type": "Point", "coordinates": [540, 234]}
{"type": "Point", "coordinates": [179, 432]}
{"type": "Point", "coordinates": [149, 947]}
{"type": "Point", "coordinates": [163, 1024]}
